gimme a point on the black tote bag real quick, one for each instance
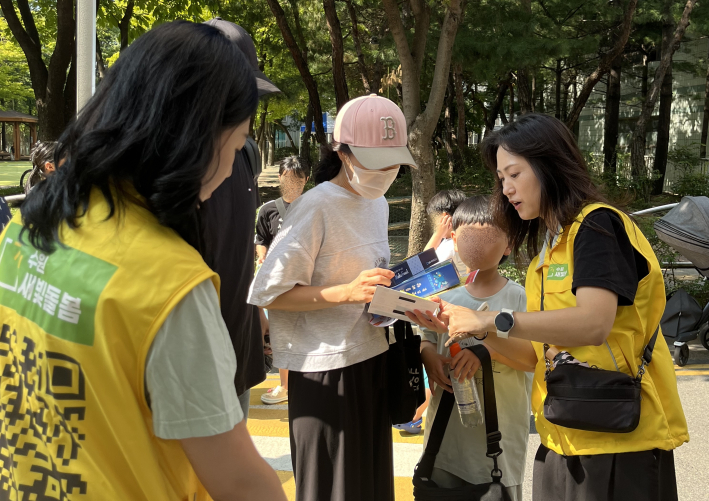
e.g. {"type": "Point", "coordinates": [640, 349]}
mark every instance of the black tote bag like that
{"type": "Point", "coordinates": [405, 373]}
{"type": "Point", "coordinates": [426, 489]}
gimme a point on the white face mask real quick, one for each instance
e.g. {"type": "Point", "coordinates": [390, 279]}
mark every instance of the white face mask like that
{"type": "Point", "coordinates": [372, 184]}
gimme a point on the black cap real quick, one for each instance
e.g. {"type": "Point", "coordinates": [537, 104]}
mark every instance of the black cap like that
{"type": "Point", "coordinates": [243, 40]}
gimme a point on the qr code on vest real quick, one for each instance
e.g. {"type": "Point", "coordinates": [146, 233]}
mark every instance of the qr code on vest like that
{"type": "Point", "coordinates": [38, 439]}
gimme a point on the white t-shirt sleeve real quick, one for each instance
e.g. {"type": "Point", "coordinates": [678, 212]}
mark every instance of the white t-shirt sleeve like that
{"type": "Point", "coordinates": [189, 372]}
{"type": "Point", "coordinates": [291, 258]}
{"type": "Point", "coordinates": [445, 250]}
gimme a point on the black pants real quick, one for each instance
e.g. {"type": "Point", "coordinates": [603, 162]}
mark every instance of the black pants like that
{"type": "Point", "coordinates": [628, 476]}
{"type": "Point", "coordinates": [340, 433]}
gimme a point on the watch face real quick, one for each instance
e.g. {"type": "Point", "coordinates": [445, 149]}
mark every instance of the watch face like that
{"type": "Point", "coordinates": [504, 321]}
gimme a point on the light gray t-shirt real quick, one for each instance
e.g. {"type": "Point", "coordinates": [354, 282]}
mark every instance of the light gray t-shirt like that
{"type": "Point", "coordinates": [328, 237]}
{"type": "Point", "coordinates": [190, 368]}
{"type": "Point", "coordinates": [463, 449]}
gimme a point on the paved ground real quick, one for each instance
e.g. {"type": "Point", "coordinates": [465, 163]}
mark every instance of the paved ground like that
{"type": "Point", "coordinates": [269, 427]}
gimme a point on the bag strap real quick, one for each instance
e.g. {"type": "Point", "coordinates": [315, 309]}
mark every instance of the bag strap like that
{"type": "Point", "coordinates": [282, 211]}
{"type": "Point", "coordinates": [647, 352]}
{"type": "Point", "coordinates": [424, 468]}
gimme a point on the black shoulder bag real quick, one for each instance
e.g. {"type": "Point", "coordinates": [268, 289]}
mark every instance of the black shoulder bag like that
{"type": "Point", "coordinates": [592, 399]}
{"type": "Point", "coordinates": [405, 373]}
{"type": "Point", "coordinates": [426, 489]}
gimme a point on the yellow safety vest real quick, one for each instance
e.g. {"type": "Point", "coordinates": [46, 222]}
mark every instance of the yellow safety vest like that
{"type": "Point", "coordinates": [662, 422]}
{"type": "Point", "coordinates": [76, 327]}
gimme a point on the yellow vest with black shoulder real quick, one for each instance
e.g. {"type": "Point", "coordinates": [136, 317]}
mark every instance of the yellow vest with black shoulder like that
{"type": "Point", "coordinates": [662, 422]}
{"type": "Point", "coordinates": [76, 327]}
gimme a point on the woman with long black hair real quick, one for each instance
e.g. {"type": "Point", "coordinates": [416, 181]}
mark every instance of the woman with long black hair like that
{"type": "Point", "coordinates": [602, 293]}
{"type": "Point", "coordinates": [117, 367]}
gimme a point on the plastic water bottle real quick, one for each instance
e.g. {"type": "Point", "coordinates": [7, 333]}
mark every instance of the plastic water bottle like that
{"type": "Point", "coordinates": [466, 396]}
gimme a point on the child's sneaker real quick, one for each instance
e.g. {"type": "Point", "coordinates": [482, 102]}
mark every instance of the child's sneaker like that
{"type": "Point", "coordinates": [413, 427]}
{"type": "Point", "coordinates": [277, 395]}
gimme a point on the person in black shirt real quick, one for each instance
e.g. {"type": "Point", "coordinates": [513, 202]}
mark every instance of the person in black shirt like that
{"type": "Point", "coordinates": [227, 221]}
{"type": "Point", "coordinates": [292, 177]}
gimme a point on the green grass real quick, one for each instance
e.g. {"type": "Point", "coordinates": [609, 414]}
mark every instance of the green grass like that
{"type": "Point", "coordinates": [10, 172]}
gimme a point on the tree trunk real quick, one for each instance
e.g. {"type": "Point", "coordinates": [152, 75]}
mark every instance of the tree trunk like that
{"type": "Point", "coordinates": [525, 92]}
{"type": "Point", "coordinates": [263, 145]}
{"type": "Point", "coordinates": [338, 53]}
{"type": "Point", "coordinates": [541, 96]}
{"type": "Point", "coordinates": [278, 123]}
{"type": "Point", "coordinates": [565, 103]}
{"type": "Point", "coordinates": [496, 106]}
{"type": "Point", "coordinates": [448, 131]}
{"type": "Point", "coordinates": [665, 118]}
{"type": "Point", "coordinates": [421, 125]}
{"type": "Point", "coordinates": [100, 64]}
{"type": "Point", "coordinates": [271, 143]}
{"type": "Point", "coordinates": [363, 70]}
{"type": "Point", "coordinates": [705, 119]}
{"type": "Point", "coordinates": [305, 139]}
{"type": "Point", "coordinates": [300, 63]}
{"type": "Point", "coordinates": [512, 103]}
{"type": "Point", "coordinates": [604, 65]}
{"type": "Point", "coordinates": [461, 134]}
{"type": "Point", "coordinates": [557, 113]}
{"type": "Point", "coordinates": [637, 149]}
{"type": "Point", "coordinates": [612, 115]}
{"type": "Point", "coordinates": [124, 24]}
{"type": "Point", "coordinates": [70, 92]}
{"type": "Point", "coordinates": [48, 82]}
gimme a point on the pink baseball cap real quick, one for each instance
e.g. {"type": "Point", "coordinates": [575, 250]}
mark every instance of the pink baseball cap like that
{"type": "Point", "coordinates": [375, 130]}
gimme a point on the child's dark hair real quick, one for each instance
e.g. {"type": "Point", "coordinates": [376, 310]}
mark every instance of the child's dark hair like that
{"type": "Point", "coordinates": [476, 210]}
{"type": "Point", "coordinates": [445, 201]}
{"type": "Point", "coordinates": [42, 153]}
{"type": "Point", "coordinates": [330, 163]}
{"type": "Point", "coordinates": [292, 164]}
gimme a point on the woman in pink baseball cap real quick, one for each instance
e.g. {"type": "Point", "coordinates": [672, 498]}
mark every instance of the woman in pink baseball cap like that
{"type": "Point", "coordinates": [322, 268]}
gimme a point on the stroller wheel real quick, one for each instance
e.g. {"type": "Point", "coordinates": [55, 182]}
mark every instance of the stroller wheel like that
{"type": "Point", "coordinates": [681, 355]}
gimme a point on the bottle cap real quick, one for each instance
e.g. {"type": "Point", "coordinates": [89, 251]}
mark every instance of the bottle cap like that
{"type": "Point", "coordinates": [455, 349]}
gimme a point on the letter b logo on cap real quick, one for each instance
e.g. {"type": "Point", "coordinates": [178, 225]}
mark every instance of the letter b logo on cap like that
{"type": "Point", "coordinates": [389, 128]}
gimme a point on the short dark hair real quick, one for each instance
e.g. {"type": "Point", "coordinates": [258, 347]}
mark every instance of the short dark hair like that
{"type": "Point", "coordinates": [445, 201]}
{"type": "Point", "coordinates": [476, 210]}
{"type": "Point", "coordinates": [42, 153]}
{"type": "Point", "coordinates": [292, 164]}
{"type": "Point", "coordinates": [154, 124]}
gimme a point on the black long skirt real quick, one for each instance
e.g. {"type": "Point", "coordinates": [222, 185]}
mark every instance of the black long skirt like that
{"type": "Point", "coordinates": [628, 476]}
{"type": "Point", "coordinates": [340, 433]}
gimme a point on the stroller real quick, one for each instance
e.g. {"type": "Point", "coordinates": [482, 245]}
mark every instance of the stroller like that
{"type": "Point", "coordinates": [685, 228]}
